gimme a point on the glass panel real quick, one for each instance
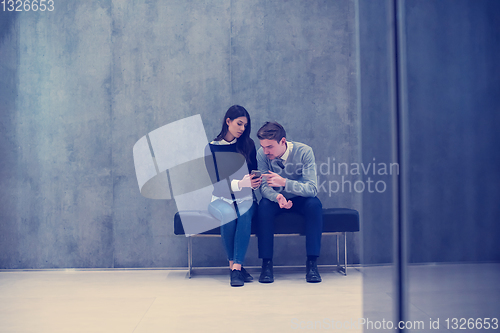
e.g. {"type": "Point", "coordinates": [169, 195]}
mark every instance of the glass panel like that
{"type": "Point", "coordinates": [375, 80]}
{"type": "Point", "coordinates": [453, 232]}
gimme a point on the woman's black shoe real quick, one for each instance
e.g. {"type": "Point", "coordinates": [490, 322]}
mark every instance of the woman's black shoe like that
{"type": "Point", "coordinates": [246, 276]}
{"type": "Point", "coordinates": [237, 279]}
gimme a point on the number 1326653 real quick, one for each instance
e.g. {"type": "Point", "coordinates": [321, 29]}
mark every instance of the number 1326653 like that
{"type": "Point", "coordinates": [27, 5]}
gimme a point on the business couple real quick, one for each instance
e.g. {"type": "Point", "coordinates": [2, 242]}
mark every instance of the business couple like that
{"type": "Point", "coordinates": [287, 182]}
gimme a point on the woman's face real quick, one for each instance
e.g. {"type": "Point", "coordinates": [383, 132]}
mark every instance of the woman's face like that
{"type": "Point", "coordinates": [237, 126]}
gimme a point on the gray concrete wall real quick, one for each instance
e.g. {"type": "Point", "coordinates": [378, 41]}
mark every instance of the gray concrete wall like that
{"type": "Point", "coordinates": [80, 85]}
{"type": "Point", "coordinates": [56, 170]}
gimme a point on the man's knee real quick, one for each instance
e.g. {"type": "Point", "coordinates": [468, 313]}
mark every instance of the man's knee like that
{"type": "Point", "coordinates": [313, 203]}
{"type": "Point", "coordinates": [266, 204]}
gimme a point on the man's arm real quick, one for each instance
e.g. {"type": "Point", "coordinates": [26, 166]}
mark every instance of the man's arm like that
{"type": "Point", "coordinates": [266, 191]}
{"type": "Point", "coordinates": [307, 186]}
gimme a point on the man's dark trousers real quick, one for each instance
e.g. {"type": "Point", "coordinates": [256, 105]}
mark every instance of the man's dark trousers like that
{"type": "Point", "coordinates": [309, 207]}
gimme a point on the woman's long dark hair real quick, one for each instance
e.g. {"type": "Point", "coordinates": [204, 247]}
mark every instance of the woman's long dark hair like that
{"type": "Point", "coordinates": [244, 144]}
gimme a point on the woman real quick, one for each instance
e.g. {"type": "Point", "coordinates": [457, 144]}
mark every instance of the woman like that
{"type": "Point", "coordinates": [231, 158]}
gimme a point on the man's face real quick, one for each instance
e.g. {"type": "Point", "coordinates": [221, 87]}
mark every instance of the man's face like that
{"type": "Point", "coordinates": [272, 148]}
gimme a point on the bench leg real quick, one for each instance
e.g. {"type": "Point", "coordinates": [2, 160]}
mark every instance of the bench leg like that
{"type": "Point", "coordinates": [345, 253]}
{"type": "Point", "coordinates": [342, 269]}
{"type": "Point", "coordinates": [190, 256]}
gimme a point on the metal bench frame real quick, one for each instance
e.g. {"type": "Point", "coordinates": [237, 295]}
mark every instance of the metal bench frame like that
{"type": "Point", "coordinates": [342, 269]}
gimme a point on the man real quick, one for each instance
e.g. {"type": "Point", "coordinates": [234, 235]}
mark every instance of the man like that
{"type": "Point", "coordinates": [289, 184]}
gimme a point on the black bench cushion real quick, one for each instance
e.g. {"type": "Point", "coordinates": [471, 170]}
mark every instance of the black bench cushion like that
{"type": "Point", "coordinates": [334, 220]}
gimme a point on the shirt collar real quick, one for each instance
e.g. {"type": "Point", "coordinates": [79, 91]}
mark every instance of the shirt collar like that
{"type": "Point", "coordinates": [289, 146]}
{"type": "Point", "coordinates": [223, 142]}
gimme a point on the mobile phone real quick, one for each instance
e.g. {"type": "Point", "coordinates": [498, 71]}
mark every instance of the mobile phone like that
{"type": "Point", "coordinates": [256, 173]}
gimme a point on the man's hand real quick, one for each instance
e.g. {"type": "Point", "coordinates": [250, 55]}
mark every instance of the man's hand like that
{"type": "Point", "coordinates": [287, 204]}
{"type": "Point", "coordinates": [274, 180]}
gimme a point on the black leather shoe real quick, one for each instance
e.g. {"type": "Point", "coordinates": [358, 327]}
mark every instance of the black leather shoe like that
{"type": "Point", "coordinates": [237, 279]}
{"type": "Point", "coordinates": [266, 276]}
{"type": "Point", "coordinates": [246, 276]}
{"type": "Point", "coordinates": [312, 274]}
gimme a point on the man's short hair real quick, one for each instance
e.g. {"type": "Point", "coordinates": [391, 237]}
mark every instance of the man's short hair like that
{"type": "Point", "coordinates": [271, 130]}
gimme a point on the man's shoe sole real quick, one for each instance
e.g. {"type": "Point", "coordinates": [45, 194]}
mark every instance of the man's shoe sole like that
{"type": "Point", "coordinates": [313, 280]}
{"type": "Point", "coordinates": [266, 280]}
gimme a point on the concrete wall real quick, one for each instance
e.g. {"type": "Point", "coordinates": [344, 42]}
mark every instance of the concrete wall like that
{"type": "Point", "coordinates": [80, 85]}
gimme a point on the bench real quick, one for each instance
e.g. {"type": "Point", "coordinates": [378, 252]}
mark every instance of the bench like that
{"type": "Point", "coordinates": [337, 221]}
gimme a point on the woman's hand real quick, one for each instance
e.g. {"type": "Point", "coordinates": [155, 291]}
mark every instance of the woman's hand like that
{"type": "Point", "coordinates": [248, 181]}
{"type": "Point", "coordinates": [256, 182]}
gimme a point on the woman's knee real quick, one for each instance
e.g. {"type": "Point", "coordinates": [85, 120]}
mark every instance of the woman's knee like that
{"type": "Point", "coordinates": [222, 211]}
{"type": "Point", "coordinates": [246, 208]}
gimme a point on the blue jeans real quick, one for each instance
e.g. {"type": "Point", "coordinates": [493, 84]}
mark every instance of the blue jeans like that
{"type": "Point", "coordinates": [235, 229]}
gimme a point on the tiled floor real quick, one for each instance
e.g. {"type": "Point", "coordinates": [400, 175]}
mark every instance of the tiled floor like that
{"type": "Point", "coordinates": [166, 301]}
